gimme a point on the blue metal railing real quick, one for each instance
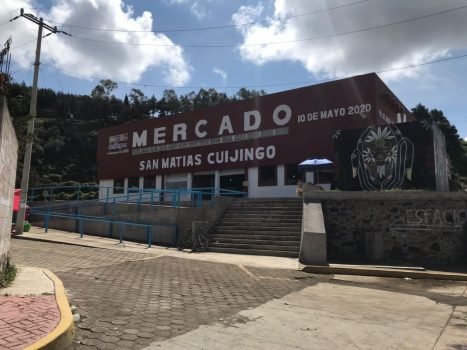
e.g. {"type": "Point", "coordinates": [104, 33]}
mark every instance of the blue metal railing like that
{"type": "Point", "coordinates": [48, 214]}
{"type": "Point", "coordinates": [106, 194]}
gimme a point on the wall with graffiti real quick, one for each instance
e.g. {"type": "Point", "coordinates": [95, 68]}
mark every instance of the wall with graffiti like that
{"type": "Point", "coordinates": [403, 227]}
{"type": "Point", "coordinates": [391, 156]}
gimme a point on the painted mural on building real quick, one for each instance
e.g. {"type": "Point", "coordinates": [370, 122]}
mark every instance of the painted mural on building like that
{"type": "Point", "coordinates": [385, 157]}
{"type": "Point", "coordinates": [382, 158]}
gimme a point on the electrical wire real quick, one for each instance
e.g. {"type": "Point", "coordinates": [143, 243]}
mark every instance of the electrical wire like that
{"type": "Point", "coordinates": [277, 42]}
{"type": "Point", "coordinates": [211, 27]}
{"type": "Point", "coordinates": [72, 123]}
{"type": "Point", "coordinates": [262, 85]}
{"type": "Point", "coordinates": [22, 44]}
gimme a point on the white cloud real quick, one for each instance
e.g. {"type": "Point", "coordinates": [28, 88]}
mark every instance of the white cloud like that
{"type": "Point", "coordinates": [199, 9]}
{"type": "Point", "coordinates": [222, 73]}
{"type": "Point", "coordinates": [405, 44]}
{"type": "Point", "coordinates": [114, 61]}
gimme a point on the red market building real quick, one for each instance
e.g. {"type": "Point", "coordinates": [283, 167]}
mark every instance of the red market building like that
{"type": "Point", "coordinates": [253, 145]}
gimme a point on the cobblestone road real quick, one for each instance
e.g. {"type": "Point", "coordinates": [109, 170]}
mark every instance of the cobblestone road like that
{"type": "Point", "coordinates": [128, 300]}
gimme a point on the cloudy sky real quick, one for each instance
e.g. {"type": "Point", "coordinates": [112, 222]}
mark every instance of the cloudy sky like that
{"type": "Point", "coordinates": [418, 47]}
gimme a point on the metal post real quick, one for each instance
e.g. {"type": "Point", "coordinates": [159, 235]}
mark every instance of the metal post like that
{"type": "Point", "coordinates": [47, 219]}
{"type": "Point", "coordinates": [140, 199]}
{"type": "Point", "coordinates": [30, 136]}
{"type": "Point", "coordinates": [149, 233]}
{"type": "Point", "coordinates": [81, 229]}
{"type": "Point", "coordinates": [200, 199]}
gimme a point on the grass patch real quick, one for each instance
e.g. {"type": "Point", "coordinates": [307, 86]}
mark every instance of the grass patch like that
{"type": "Point", "coordinates": [7, 276]}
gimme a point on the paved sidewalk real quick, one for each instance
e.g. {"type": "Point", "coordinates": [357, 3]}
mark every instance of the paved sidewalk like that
{"type": "Point", "coordinates": [33, 312]}
{"type": "Point", "coordinates": [57, 236]}
{"type": "Point", "coordinates": [130, 300]}
{"type": "Point", "coordinates": [335, 315]}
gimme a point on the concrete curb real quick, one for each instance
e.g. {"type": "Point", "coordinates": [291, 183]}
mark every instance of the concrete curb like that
{"type": "Point", "coordinates": [61, 337]}
{"type": "Point", "coordinates": [384, 272]}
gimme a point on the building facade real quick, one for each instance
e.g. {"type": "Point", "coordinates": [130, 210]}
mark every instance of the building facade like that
{"type": "Point", "coordinates": [253, 145]}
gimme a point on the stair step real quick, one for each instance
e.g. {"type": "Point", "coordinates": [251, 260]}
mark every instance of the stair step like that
{"type": "Point", "coordinates": [254, 246]}
{"type": "Point", "coordinates": [262, 214]}
{"type": "Point", "coordinates": [260, 226]}
{"type": "Point", "coordinates": [214, 241]}
{"type": "Point", "coordinates": [262, 223]}
{"type": "Point", "coordinates": [256, 236]}
{"type": "Point", "coordinates": [258, 231]}
{"type": "Point", "coordinates": [269, 217]}
{"type": "Point", "coordinates": [256, 228]}
{"type": "Point", "coordinates": [230, 221]}
{"type": "Point", "coordinates": [254, 252]}
{"type": "Point", "coordinates": [263, 208]}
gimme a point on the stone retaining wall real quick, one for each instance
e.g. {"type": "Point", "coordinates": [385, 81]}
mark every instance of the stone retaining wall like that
{"type": "Point", "coordinates": [8, 159]}
{"type": "Point", "coordinates": [426, 228]}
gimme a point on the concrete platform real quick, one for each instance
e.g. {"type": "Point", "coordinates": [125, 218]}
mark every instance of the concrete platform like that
{"type": "Point", "coordinates": [335, 315]}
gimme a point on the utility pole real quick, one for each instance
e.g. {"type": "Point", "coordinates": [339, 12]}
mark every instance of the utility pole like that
{"type": "Point", "coordinates": [32, 116]}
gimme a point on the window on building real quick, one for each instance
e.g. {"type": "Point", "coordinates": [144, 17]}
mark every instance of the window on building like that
{"type": "Point", "coordinates": [175, 184]}
{"type": "Point", "coordinates": [267, 175]}
{"type": "Point", "coordinates": [291, 175]}
{"type": "Point", "coordinates": [133, 184]}
{"type": "Point", "coordinates": [149, 182]}
{"type": "Point", "coordinates": [119, 185]}
{"type": "Point", "coordinates": [326, 176]}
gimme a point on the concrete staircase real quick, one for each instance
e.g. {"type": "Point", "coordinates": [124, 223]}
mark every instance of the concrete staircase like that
{"type": "Point", "coordinates": [269, 226]}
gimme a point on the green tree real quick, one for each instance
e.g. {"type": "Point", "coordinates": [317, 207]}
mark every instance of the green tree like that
{"type": "Point", "coordinates": [104, 89]}
{"type": "Point", "coordinates": [65, 140]}
{"type": "Point", "coordinates": [169, 104]}
{"type": "Point", "coordinates": [245, 94]}
{"type": "Point", "coordinates": [454, 144]}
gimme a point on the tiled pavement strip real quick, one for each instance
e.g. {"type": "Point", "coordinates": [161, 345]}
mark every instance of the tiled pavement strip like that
{"type": "Point", "coordinates": [29, 319]}
{"type": "Point", "coordinates": [129, 300]}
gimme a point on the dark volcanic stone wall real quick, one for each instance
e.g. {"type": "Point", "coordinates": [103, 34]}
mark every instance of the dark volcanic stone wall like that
{"type": "Point", "coordinates": [415, 227]}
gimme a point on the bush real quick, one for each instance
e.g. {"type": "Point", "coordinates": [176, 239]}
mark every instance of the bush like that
{"type": "Point", "coordinates": [7, 276]}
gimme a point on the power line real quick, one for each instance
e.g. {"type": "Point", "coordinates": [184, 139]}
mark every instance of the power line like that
{"type": "Point", "coordinates": [277, 42]}
{"type": "Point", "coordinates": [22, 44]}
{"type": "Point", "coordinates": [71, 118]}
{"type": "Point", "coordinates": [262, 85]}
{"type": "Point", "coordinates": [55, 64]}
{"type": "Point", "coordinates": [21, 68]}
{"type": "Point", "coordinates": [172, 30]}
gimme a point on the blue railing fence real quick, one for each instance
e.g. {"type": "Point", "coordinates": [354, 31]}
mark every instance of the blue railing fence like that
{"type": "Point", "coordinates": [122, 225]}
{"type": "Point", "coordinates": [175, 197]}
{"type": "Point", "coordinates": [75, 203]}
